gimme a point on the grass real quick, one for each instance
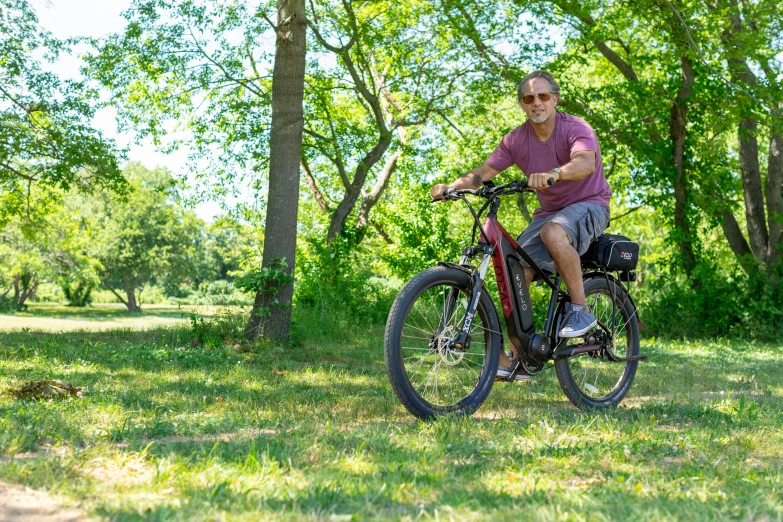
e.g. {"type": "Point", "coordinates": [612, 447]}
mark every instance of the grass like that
{"type": "Point", "coordinates": [168, 431]}
{"type": "Point", "coordinates": [52, 317]}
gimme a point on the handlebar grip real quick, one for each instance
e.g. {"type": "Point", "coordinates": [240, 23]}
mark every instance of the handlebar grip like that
{"type": "Point", "coordinates": [551, 181]}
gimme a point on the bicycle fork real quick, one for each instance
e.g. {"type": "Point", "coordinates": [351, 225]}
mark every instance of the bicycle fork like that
{"type": "Point", "coordinates": [451, 302]}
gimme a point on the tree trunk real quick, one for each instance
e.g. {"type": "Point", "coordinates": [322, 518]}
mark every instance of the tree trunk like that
{"type": "Point", "coordinates": [739, 246]}
{"type": "Point", "coordinates": [377, 191]}
{"type": "Point", "coordinates": [27, 293]}
{"type": "Point", "coordinates": [117, 295]}
{"type": "Point", "coordinates": [751, 187]}
{"type": "Point", "coordinates": [16, 289]}
{"type": "Point", "coordinates": [677, 128]}
{"type": "Point", "coordinates": [271, 311]}
{"type": "Point", "coordinates": [774, 198]}
{"type": "Point", "coordinates": [131, 302]}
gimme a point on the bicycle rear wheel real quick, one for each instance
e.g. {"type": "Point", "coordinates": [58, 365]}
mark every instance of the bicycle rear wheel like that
{"type": "Point", "coordinates": [589, 380]}
{"type": "Point", "coordinates": [428, 373]}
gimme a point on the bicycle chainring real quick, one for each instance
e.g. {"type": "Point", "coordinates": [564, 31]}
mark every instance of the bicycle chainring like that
{"type": "Point", "coordinates": [531, 369]}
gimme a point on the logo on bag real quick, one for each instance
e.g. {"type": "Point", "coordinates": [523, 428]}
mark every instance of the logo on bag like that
{"type": "Point", "coordinates": [626, 255]}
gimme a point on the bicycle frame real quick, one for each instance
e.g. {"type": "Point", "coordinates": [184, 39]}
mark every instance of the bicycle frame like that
{"type": "Point", "coordinates": [498, 246]}
{"type": "Point", "coordinates": [513, 290]}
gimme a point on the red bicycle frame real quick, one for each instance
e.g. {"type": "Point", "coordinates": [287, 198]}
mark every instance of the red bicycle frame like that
{"type": "Point", "coordinates": [512, 287]}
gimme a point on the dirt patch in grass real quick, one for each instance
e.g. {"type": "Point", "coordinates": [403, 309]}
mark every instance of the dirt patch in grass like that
{"type": "Point", "coordinates": [122, 469]}
{"type": "Point", "coordinates": [61, 451]}
{"type": "Point", "coordinates": [21, 504]}
{"type": "Point", "coordinates": [244, 433]}
{"type": "Point", "coordinates": [636, 402]}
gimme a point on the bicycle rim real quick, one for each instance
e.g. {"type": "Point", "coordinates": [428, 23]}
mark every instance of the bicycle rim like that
{"type": "Point", "coordinates": [442, 376]}
{"type": "Point", "coordinates": [595, 377]}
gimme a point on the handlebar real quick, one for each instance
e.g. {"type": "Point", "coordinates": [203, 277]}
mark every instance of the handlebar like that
{"type": "Point", "coordinates": [514, 187]}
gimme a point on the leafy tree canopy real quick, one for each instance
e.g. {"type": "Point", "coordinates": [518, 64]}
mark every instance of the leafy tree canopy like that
{"type": "Point", "coordinates": [45, 136]}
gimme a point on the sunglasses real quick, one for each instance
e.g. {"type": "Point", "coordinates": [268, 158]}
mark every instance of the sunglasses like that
{"type": "Point", "coordinates": [543, 96]}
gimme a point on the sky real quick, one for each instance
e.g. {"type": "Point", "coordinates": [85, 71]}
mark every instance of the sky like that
{"type": "Point", "coordinates": [71, 18]}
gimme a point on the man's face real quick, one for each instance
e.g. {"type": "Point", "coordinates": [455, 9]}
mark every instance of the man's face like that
{"type": "Point", "coordinates": [538, 111]}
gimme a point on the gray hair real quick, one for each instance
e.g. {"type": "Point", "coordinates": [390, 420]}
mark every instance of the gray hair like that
{"type": "Point", "coordinates": [554, 88]}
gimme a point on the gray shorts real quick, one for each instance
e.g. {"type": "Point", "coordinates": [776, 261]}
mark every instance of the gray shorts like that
{"type": "Point", "coordinates": [583, 222]}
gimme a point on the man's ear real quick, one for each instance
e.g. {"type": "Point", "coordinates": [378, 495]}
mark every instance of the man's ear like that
{"type": "Point", "coordinates": [557, 99]}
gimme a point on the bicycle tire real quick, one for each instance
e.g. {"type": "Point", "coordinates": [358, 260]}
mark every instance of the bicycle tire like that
{"type": "Point", "coordinates": [586, 395]}
{"type": "Point", "coordinates": [486, 317]}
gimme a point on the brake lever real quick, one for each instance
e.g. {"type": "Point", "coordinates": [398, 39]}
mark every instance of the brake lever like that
{"type": "Point", "coordinates": [449, 195]}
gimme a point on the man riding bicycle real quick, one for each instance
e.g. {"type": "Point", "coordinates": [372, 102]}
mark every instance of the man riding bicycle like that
{"type": "Point", "coordinates": [574, 211]}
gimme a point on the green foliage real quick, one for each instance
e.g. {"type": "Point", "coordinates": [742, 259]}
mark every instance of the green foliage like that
{"type": "Point", "coordinates": [215, 293]}
{"type": "Point", "coordinates": [204, 67]}
{"type": "Point", "coordinates": [44, 130]}
{"type": "Point", "coordinates": [7, 305]}
{"type": "Point", "coordinates": [226, 328]}
{"type": "Point", "coordinates": [726, 305]}
{"type": "Point", "coordinates": [79, 279]}
{"type": "Point", "coordinates": [78, 295]}
{"type": "Point", "coordinates": [144, 237]}
{"type": "Point", "coordinates": [337, 283]}
{"type": "Point", "coordinates": [424, 233]}
{"type": "Point", "coordinates": [265, 281]}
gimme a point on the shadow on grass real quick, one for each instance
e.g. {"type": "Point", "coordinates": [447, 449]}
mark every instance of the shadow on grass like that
{"type": "Point", "coordinates": [463, 482]}
{"type": "Point", "coordinates": [155, 375]}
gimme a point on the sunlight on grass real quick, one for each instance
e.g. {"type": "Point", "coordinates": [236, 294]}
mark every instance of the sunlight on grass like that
{"type": "Point", "coordinates": [168, 431]}
{"type": "Point", "coordinates": [47, 317]}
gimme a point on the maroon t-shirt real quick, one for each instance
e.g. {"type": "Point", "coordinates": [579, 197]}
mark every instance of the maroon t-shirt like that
{"type": "Point", "coordinates": [521, 147]}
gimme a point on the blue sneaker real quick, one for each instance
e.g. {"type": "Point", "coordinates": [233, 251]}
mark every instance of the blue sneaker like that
{"type": "Point", "coordinates": [578, 322]}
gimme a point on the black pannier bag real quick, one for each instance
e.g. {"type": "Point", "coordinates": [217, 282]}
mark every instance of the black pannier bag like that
{"type": "Point", "coordinates": [612, 252]}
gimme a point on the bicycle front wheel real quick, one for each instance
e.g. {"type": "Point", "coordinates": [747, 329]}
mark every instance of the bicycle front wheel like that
{"type": "Point", "coordinates": [430, 375]}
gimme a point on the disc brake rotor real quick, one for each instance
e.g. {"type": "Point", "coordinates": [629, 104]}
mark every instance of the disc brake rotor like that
{"type": "Point", "coordinates": [444, 343]}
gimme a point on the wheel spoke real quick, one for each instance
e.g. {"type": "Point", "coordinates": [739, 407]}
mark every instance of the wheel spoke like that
{"type": "Point", "coordinates": [594, 375]}
{"type": "Point", "coordinates": [440, 374]}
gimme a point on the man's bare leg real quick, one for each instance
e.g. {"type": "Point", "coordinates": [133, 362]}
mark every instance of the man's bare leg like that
{"type": "Point", "coordinates": [566, 260]}
{"type": "Point", "coordinates": [567, 263]}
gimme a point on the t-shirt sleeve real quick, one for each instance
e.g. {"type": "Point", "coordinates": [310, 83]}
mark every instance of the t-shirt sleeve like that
{"type": "Point", "coordinates": [581, 137]}
{"type": "Point", "coordinates": [501, 159]}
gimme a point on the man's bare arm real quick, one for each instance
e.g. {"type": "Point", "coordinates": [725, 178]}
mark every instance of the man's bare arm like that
{"type": "Point", "coordinates": [582, 164]}
{"type": "Point", "coordinates": [471, 180]}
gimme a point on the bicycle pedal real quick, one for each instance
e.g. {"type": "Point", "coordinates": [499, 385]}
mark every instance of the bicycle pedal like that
{"type": "Point", "coordinates": [518, 378]}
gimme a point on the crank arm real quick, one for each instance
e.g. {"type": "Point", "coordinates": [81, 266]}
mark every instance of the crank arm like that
{"type": "Point", "coordinates": [571, 351]}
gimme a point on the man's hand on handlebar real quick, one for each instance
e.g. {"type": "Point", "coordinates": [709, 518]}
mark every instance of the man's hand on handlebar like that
{"type": "Point", "coordinates": [438, 191]}
{"type": "Point", "coordinates": [540, 181]}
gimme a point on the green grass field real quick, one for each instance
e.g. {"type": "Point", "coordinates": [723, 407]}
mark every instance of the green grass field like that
{"type": "Point", "coordinates": [168, 431]}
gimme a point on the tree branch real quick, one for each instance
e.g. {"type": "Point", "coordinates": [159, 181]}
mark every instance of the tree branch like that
{"type": "Point", "coordinates": [378, 228]}
{"type": "Point", "coordinates": [314, 188]}
{"type": "Point", "coordinates": [372, 198]}
{"type": "Point", "coordinates": [16, 172]}
{"type": "Point", "coordinates": [107, 285]}
{"type": "Point", "coordinates": [203, 53]}
{"type": "Point", "coordinates": [634, 209]}
{"type": "Point", "coordinates": [611, 167]}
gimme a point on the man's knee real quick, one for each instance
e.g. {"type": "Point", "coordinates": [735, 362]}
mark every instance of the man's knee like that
{"type": "Point", "coordinates": [553, 234]}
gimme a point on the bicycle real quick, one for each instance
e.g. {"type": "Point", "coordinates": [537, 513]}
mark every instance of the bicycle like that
{"type": "Point", "coordinates": [443, 335]}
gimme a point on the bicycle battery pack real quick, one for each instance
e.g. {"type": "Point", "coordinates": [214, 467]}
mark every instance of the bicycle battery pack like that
{"type": "Point", "coordinates": [521, 297]}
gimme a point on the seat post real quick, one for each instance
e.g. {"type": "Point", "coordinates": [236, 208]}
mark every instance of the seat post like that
{"type": "Point", "coordinates": [550, 314]}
